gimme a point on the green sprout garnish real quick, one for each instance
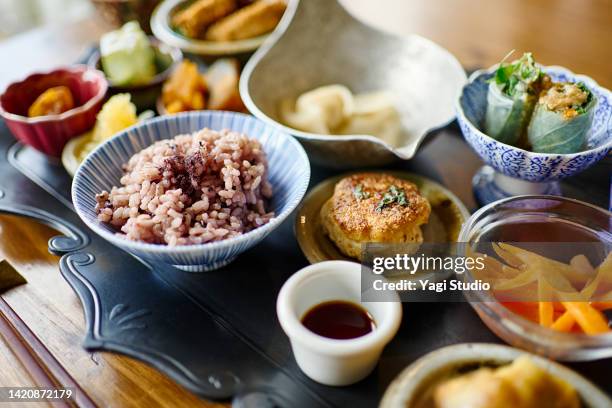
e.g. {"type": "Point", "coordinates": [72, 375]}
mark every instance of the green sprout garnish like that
{"type": "Point", "coordinates": [359, 193]}
{"type": "Point", "coordinates": [518, 75]}
{"type": "Point", "coordinates": [393, 195]}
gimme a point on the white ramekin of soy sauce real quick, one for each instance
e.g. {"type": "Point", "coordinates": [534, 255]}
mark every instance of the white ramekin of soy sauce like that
{"type": "Point", "coordinates": [334, 361]}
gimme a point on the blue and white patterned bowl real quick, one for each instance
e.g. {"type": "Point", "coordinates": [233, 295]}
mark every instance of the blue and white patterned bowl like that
{"type": "Point", "coordinates": [288, 172]}
{"type": "Point", "coordinates": [522, 164]}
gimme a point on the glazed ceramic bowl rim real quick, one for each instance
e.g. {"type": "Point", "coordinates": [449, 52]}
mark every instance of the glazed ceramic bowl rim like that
{"type": "Point", "coordinates": [298, 333]}
{"type": "Point", "coordinates": [143, 247]}
{"type": "Point", "coordinates": [331, 138]}
{"type": "Point", "coordinates": [162, 30]}
{"type": "Point", "coordinates": [174, 53]}
{"type": "Point", "coordinates": [492, 306]}
{"type": "Point", "coordinates": [553, 68]}
{"type": "Point", "coordinates": [423, 370]}
{"type": "Point", "coordinates": [76, 68]}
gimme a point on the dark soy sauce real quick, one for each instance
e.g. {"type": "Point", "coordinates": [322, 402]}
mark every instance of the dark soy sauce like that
{"type": "Point", "coordinates": [339, 319]}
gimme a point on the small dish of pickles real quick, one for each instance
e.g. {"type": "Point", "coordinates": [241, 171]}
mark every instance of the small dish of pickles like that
{"type": "Point", "coordinates": [549, 269]}
{"type": "Point", "coordinates": [135, 63]}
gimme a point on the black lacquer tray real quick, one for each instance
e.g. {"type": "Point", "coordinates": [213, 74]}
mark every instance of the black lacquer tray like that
{"type": "Point", "coordinates": [216, 333]}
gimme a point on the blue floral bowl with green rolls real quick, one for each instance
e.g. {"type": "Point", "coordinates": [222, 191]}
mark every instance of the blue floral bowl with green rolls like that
{"type": "Point", "coordinates": [551, 146]}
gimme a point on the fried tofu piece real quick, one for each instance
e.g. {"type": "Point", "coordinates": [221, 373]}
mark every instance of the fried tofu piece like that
{"type": "Point", "coordinates": [255, 19]}
{"type": "Point", "coordinates": [195, 19]}
{"type": "Point", "coordinates": [374, 207]}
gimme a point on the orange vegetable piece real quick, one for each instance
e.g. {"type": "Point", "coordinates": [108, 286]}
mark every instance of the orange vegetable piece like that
{"type": "Point", "coordinates": [591, 320]}
{"type": "Point", "coordinates": [564, 323]}
{"type": "Point", "coordinates": [185, 90]}
{"type": "Point", "coordinates": [53, 101]}
{"type": "Point", "coordinates": [545, 313]}
{"type": "Point", "coordinates": [529, 310]}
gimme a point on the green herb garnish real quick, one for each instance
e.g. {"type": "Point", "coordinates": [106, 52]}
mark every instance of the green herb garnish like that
{"type": "Point", "coordinates": [518, 75]}
{"type": "Point", "coordinates": [393, 195]}
{"type": "Point", "coordinates": [359, 193]}
{"type": "Point", "coordinates": [582, 108]}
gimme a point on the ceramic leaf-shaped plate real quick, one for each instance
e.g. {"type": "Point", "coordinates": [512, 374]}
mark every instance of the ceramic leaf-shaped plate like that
{"type": "Point", "coordinates": [318, 43]}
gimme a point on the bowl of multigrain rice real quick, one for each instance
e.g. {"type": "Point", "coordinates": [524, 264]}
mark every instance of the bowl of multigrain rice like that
{"type": "Point", "coordinates": [192, 190]}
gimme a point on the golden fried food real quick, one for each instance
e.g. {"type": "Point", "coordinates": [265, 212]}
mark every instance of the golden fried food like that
{"type": "Point", "coordinates": [222, 79]}
{"type": "Point", "coordinates": [185, 90]}
{"type": "Point", "coordinates": [195, 19]}
{"type": "Point", "coordinates": [521, 384]}
{"type": "Point", "coordinates": [255, 19]}
{"type": "Point", "coordinates": [374, 207]}
{"type": "Point", "coordinates": [53, 101]}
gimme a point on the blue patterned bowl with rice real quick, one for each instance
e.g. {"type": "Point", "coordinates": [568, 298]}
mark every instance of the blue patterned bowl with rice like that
{"type": "Point", "coordinates": [514, 171]}
{"type": "Point", "coordinates": [288, 174]}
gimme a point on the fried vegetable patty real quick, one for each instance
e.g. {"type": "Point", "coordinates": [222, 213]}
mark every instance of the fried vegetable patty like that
{"type": "Point", "coordinates": [374, 207]}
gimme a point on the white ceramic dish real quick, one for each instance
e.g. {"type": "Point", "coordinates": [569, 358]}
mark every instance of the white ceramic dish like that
{"type": "Point", "coordinates": [318, 43]}
{"type": "Point", "coordinates": [330, 361]}
{"type": "Point", "coordinates": [411, 383]}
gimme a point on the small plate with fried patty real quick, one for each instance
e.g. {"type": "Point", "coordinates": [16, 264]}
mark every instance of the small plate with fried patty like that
{"type": "Point", "coordinates": [354, 209]}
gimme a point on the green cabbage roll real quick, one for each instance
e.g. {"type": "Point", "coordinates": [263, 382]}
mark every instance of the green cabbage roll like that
{"type": "Point", "coordinates": [512, 96]}
{"type": "Point", "coordinates": [561, 119]}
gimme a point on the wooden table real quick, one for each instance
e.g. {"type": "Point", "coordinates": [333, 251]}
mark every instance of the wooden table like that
{"type": "Point", "coordinates": [576, 34]}
{"type": "Point", "coordinates": [49, 313]}
{"type": "Point", "coordinates": [49, 307]}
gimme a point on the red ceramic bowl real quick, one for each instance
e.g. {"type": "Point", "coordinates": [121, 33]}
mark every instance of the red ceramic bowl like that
{"type": "Point", "coordinates": [49, 134]}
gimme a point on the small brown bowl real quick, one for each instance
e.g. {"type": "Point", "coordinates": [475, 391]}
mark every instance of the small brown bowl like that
{"type": "Point", "coordinates": [145, 96]}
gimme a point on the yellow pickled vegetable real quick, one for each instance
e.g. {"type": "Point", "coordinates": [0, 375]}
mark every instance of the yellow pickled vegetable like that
{"type": "Point", "coordinates": [571, 297]}
{"type": "Point", "coordinates": [117, 114]}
